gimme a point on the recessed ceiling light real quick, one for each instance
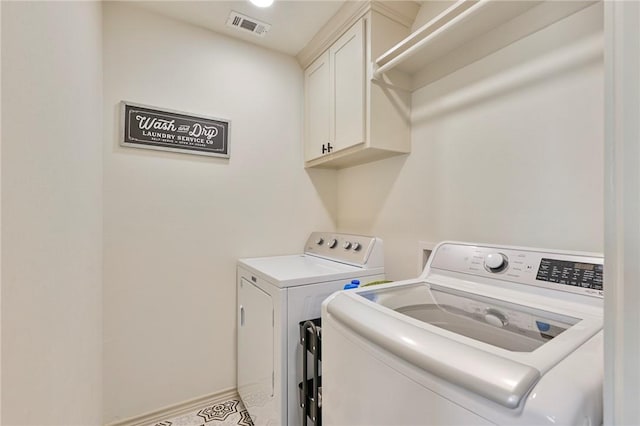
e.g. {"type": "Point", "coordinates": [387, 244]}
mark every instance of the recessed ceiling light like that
{"type": "Point", "coordinates": [262, 3]}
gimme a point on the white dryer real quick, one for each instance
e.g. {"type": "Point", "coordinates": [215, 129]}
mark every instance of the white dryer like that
{"type": "Point", "coordinates": [274, 295]}
{"type": "Point", "coordinates": [486, 335]}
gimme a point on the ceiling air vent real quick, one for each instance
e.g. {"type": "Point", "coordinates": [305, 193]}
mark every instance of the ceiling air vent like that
{"type": "Point", "coordinates": [244, 23]}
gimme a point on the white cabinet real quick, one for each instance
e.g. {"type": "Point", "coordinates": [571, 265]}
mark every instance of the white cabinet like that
{"type": "Point", "coordinates": [334, 96]}
{"type": "Point", "coordinates": [317, 110]}
{"type": "Point", "coordinates": [347, 74]}
{"type": "Point", "coordinates": [348, 118]}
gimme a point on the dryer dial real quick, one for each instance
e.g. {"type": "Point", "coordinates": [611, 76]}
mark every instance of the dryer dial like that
{"type": "Point", "coordinates": [332, 243]}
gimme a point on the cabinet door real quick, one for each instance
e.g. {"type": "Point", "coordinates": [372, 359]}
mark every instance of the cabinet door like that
{"type": "Point", "coordinates": [347, 57]}
{"type": "Point", "coordinates": [317, 107]}
{"type": "Point", "coordinates": [255, 344]}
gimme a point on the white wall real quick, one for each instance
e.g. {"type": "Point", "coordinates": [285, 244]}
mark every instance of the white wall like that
{"type": "Point", "coordinates": [622, 214]}
{"type": "Point", "coordinates": [51, 213]}
{"type": "Point", "coordinates": [174, 224]}
{"type": "Point", "coordinates": [0, 223]}
{"type": "Point", "coordinates": [507, 150]}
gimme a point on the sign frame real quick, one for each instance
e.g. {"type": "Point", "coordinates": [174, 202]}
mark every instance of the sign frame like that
{"type": "Point", "coordinates": [128, 140]}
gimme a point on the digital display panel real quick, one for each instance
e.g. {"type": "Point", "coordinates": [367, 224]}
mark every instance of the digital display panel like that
{"type": "Point", "coordinates": [585, 266]}
{"type": "Point", "coordinates": [585, 275]}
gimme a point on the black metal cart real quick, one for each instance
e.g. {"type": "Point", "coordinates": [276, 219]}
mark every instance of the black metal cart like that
{"type": "Point", "coordinates": [311, 386]}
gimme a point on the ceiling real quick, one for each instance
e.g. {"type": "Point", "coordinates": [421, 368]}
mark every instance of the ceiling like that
{"type": "Point", "coordinates": [293, 22]}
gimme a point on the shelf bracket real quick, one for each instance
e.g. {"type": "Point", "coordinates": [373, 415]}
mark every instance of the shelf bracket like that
{"type": "Point", "coordinates": [378, 78]}
{"type": "Point", "coordinates": [387, 85]}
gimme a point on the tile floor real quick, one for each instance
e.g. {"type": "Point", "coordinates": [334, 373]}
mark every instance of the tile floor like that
{"type": "Point", "coordinates": [230, 412]}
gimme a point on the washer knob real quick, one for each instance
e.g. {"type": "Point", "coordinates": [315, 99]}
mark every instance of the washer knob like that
{"type": "Point", "coordinates": [346, 245]}
{"type": "Point", "coordinates": [357, 246]}
{"type": "Point", "coordinates": [320, 241]}
{"type": "Point", "coordinates": [495, 262]}
{"type": "Point", "coordinates": [332, 243]}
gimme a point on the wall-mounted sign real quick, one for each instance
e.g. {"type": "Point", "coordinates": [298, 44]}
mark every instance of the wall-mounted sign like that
{"type": "Point", "coordinates": [153, 128]}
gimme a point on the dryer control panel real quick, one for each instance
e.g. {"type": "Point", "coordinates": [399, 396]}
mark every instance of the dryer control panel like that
{"type": "Point", "coordinates": [564, 271]}
{"type": "Point", "coordinates": [357, 250]}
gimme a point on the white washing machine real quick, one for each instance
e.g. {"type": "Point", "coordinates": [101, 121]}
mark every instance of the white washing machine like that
{"type": "Point", "coordinates": [486, 335]}
{"type": "Point", "coordinates": [274, 295]}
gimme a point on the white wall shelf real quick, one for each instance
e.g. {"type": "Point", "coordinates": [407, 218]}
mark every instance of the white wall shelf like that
{"type": "Point", "coordinates": [436, 43]}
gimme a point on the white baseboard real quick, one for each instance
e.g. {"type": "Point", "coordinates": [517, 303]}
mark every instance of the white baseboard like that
{"type": "Point", "coordinates": [177, 409]}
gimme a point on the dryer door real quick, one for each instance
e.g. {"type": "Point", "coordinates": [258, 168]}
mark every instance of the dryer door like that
{"type": "Point", "coordinates": [255, 344]}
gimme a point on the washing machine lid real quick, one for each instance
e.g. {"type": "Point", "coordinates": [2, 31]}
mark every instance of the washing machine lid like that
{"type": "Point", "coordinates": [491, 346]}
{"type": "Point", "coordinates": [303, 269]}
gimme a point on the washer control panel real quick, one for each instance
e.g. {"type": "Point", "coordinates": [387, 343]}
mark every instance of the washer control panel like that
{"type": "Point", "coordinates": [575, 273]}
{"type": "Point", "coordinates": [586, 275]}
